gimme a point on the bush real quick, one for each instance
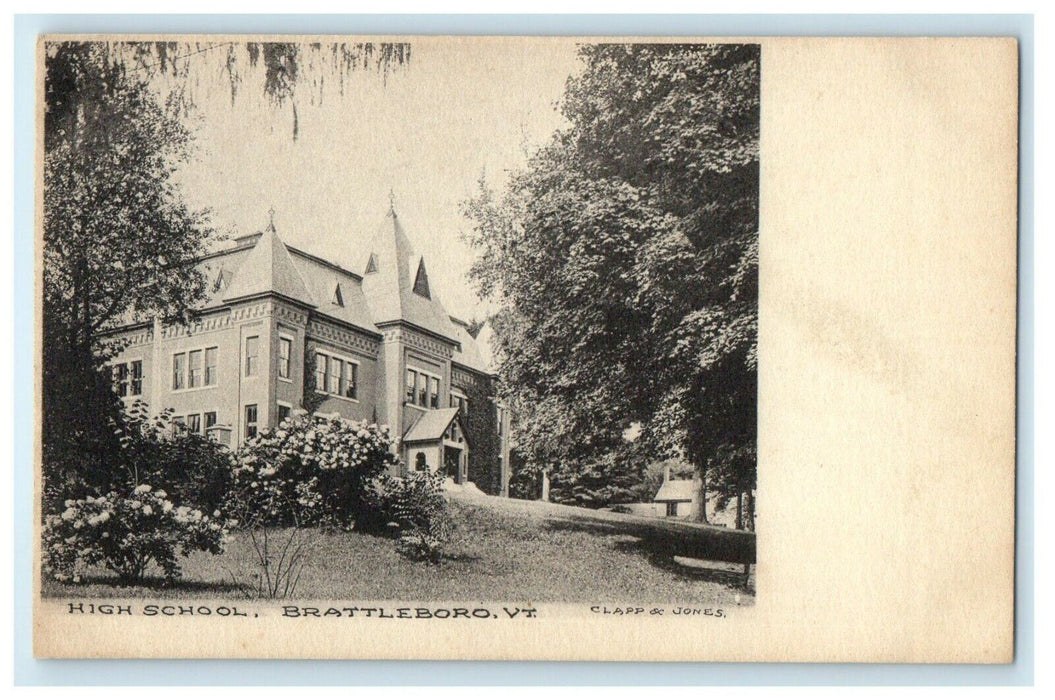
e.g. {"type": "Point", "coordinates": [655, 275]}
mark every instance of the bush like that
{"type": "Point", "coordinates": [415, 506]}
{"type": "Point", "coordinates": [420, 545]}
{"type": "Point", "coordinates": [525, 484]}
{"type": "Point", "coordinates": [126, 533]}
{"type": "Point", "coordinates": [310, 470]}
{"type": "Point", "coordinates": [140, 449]}
{"type": "Point", "coordinates": [610, 479]}
{"type": "Point", "coordinates": [194, 469]}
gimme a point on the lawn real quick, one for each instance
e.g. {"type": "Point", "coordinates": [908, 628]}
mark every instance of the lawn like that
{"type": "Point", "coordinates": [502, 550]}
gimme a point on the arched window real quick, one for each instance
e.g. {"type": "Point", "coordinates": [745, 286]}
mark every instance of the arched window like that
{"type": "Point", "coordinates": [419, 462]}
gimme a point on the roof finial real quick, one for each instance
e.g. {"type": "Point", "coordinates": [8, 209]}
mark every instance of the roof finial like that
{"type": "Point", "coordinates": [271, 214]}
{"type": "Point", "coordinates": [392, 201]}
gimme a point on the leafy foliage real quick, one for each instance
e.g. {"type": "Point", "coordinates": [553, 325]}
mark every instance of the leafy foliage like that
{"type": "Point", "coordinates": [195, 470]}
{"type": "Point", "coordinates": [118, 243]}
{"type": "Point", "coordinates": [614, 477]}
{"type": "Point", "coordinates": [127, 533]}
{"type": "Point", "coordinates": [110, 515]}
{"type": "Point", "coordinates": [625, 259]}
{"type": "Point", "coordinates": [117, 236]}
{"type": "Point", "coordinates": [136, 449]}
{"type": "Point", "coordinates": [285, 73]}
{"type": "Point", "coordinates": [309, 470]}
{"type": "Point", "coordinates": [481, 422]}
{"type": "Point", "coordinates": [415, 505]}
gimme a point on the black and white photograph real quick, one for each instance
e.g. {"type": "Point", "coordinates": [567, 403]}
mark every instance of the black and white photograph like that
{"type": "Point", "coordinates": [388, 321]}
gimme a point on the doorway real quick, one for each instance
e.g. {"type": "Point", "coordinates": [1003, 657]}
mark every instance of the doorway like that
{"type": "Point", "coordinates": [452, 463]}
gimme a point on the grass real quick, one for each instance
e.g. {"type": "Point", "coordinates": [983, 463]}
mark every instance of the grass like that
{"type": "Point", "coordinates": [501, 550]}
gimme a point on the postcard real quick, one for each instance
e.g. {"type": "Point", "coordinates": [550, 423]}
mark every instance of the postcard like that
{"type": "Point", "coordinates": [578, 348]}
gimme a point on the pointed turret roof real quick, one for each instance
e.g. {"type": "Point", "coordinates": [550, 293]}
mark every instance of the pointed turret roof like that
{"type": "Point", "coordinates": [268, 268]}
{"type": "Point", "coordinates": [397, 286]}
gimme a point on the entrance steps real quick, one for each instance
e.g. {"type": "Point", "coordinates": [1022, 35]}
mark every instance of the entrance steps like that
{"type": "Point", "coordinates": [467, 488]}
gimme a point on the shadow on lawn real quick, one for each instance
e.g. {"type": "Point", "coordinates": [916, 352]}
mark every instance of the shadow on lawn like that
{"type": "Point", "coordinates": [726, 551]}
{"type": "Point", "coordinates": [152, 583]}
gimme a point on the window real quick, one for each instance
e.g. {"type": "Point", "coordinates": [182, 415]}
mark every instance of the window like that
{"type": "Point", "coordinates": [179, 423]}
{"type": "Point", "coordinates": [121, 379]}
{"type": "Point", "coordinates": [135, 378]}
{"type": "Point", "coordinates": [461, 403]}
{"type": "Point", "coordinates": [194, 423]}
{"type": "Point", "coordinates": [412, 384]}
{"type": "Point", "coordinates": [349, 380]}
{"type": "Point", "coordinates": [421, 281]}
{"type": "Point", "coordinates": [672, 509]}
{"type": "Point", "coordinates": [210, 366]}
{"type": "Point", "coordinates": [252, 350]}
{"type": "Point", "coordinates": [337, 376]}
{"type": "Point", "coordinates": [434, 392]}
{"type": "Point", "coordinates": [284, 412]}
{"type": "Point", "coordinates": [422, 389]}
{"type": "Point", "coordinates": [321, 365]}
{"type": "Point", "coordinates": [285, 349]}
{"type": "Point", "coordinates": [250, 420]}
{"type": "Point", "coordinates": [210, 419]}
{"type": "Point", "coordinates": [419, 462]}
{"type": "Point", "coordinates": [179, 370]}
{"type": "Point", "coordinates": [128, 378]}
{"type": "Point", "coordinates": [191, 369]}
{"type": "Point", "coordinates": [333, 378]}
{"type": "Point", "coordinates": [194, 369]}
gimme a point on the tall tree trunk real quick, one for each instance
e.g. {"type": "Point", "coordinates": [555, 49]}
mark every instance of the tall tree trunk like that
{"type": "Point", "coordinates": [701, 511]}
{"type": "Point", "coordinates": [87, 364]}
{"type": "Point", "coordinates": [749, 510]}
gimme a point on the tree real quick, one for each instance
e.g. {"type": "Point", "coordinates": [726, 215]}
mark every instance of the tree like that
{"type": "Point", "coordinates": [624, 257]}
{"type": "Point", "coordinates": [118, 240]}
{"type": "Point", "coordinates": [282, 71]}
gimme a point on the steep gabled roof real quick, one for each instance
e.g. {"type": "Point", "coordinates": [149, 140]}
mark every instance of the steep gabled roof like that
{"type": "Point", "coordinates": [431, 425]}
{"type": "Point", "coordinates": [469, 355]}
{"type": "Point", "coordinates": [677, 490]}
{"type": "Point", "coordinates": [268, 268]}
{"type": "Point", "coordinates": [399, 289]}
{"type": "Point", "coordinates": [321, 281]}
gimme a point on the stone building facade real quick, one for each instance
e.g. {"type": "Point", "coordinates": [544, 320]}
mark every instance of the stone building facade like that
{"type": "Point", "coordinates": [283, 330]}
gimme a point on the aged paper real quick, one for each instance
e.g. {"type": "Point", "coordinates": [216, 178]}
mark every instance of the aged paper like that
{"type": "Point", "coordinates": [886, 302]}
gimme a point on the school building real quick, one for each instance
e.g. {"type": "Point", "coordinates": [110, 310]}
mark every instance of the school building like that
{"type": "Point", "coordinates": [283, 329]}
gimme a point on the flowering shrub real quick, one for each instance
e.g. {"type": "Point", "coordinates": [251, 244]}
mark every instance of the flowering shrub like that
{"type": "Point", "coordinates": [126, 533]}
{"type": "Point", "coordinates": [310, 470]}
{"type": "Point", "coordinates": [141, 448]}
